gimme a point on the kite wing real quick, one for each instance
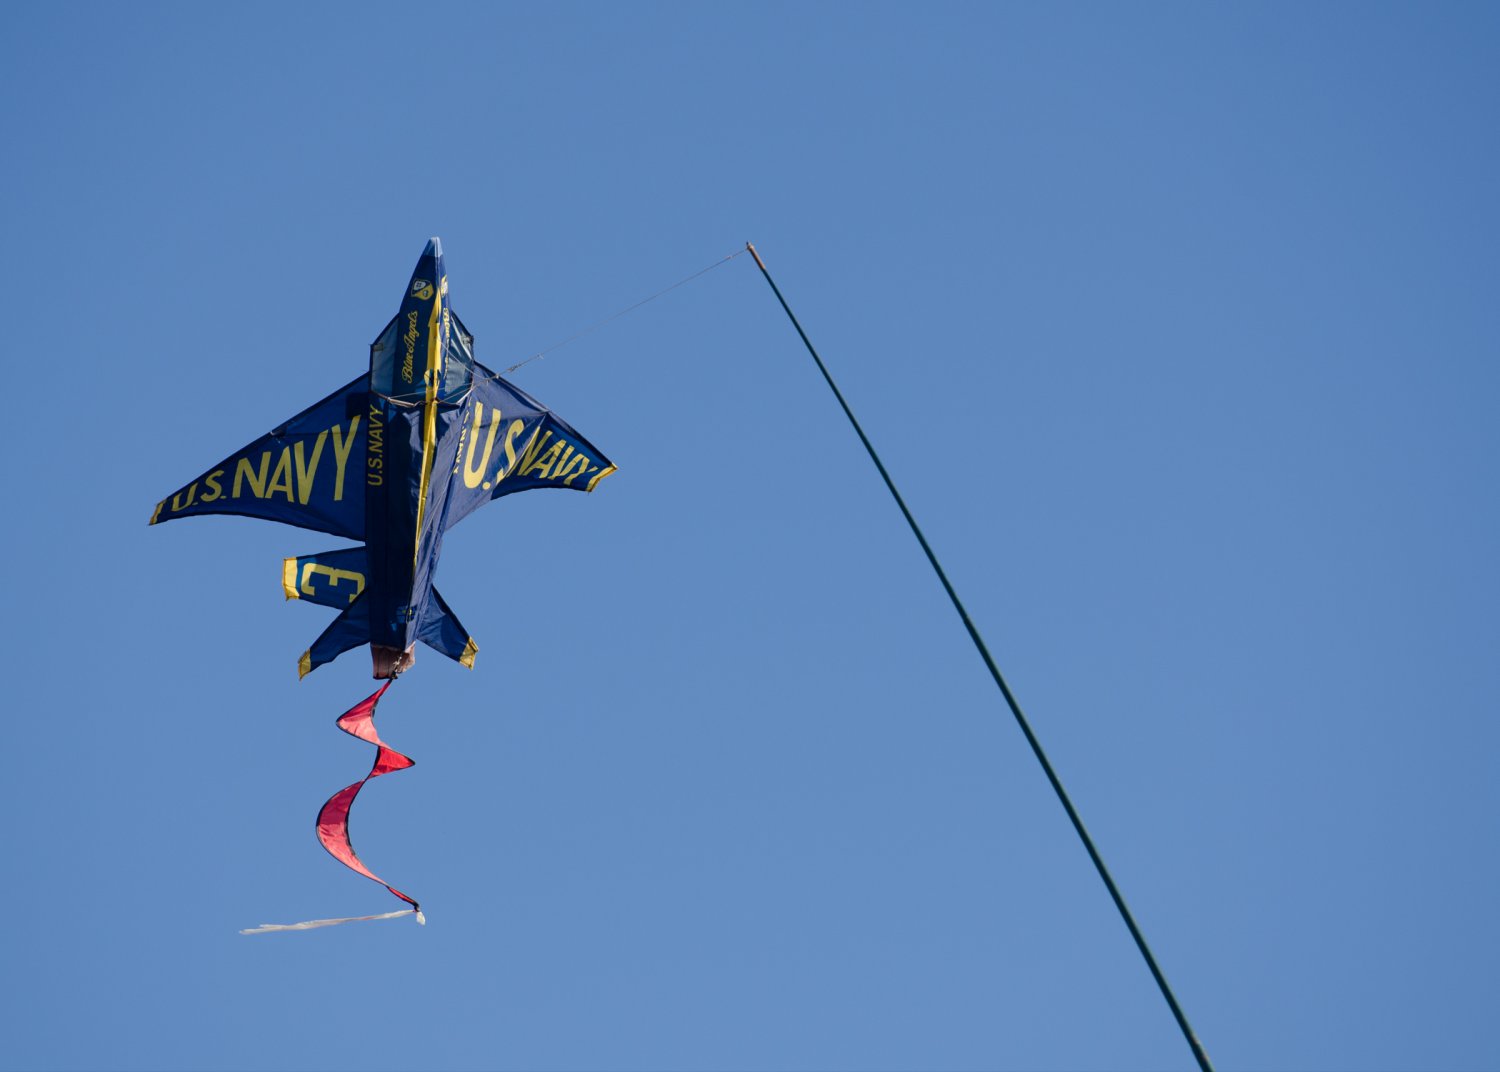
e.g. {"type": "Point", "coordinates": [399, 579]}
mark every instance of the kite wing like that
{"type": "Point", "coordinates": [308, 472]}
{"type": "Point", "coordinates": [513, 443]}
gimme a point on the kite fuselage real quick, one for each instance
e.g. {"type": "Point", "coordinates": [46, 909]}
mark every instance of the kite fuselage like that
{"type": "Point", "coordinates": [418, 383]}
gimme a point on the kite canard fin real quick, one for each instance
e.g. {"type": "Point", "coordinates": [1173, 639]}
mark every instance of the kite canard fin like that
{"type": "Point", "coordinates": [331, 579]}
{"type": "Point", "coordinates": [349, 630]}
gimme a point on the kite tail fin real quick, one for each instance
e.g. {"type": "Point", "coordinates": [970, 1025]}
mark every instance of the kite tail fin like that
{"type": "Point", "coordinates": [349, 630]}
{"type": "Point", "coordinates": [442, 631]}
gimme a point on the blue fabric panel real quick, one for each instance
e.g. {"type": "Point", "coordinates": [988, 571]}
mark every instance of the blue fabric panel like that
{"type": "Point", "coordinates": [307, 472]}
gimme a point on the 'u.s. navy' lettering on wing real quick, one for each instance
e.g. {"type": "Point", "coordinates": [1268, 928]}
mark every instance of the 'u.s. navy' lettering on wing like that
{"type": "Point", "coordinates": [297, 472]}
{"type": "Point", "coordinates": [302, 473]}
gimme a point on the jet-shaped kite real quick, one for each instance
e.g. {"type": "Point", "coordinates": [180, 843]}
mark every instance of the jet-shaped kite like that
{"type": "Point", "coordinates": [393, 459]}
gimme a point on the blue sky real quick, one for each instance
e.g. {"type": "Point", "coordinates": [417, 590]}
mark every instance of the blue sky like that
{"type": "Point", "coordinates": [1174, 323]}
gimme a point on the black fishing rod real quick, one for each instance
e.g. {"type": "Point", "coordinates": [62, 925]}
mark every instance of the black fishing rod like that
{"type": "Point", "coordinates": [1015, 708]}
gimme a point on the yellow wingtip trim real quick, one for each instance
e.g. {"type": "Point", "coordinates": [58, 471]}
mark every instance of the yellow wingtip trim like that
{"type": "Point", "coordinates": [157, 512]}
{"type": "Point", "coordinates": [600, 476]}
{"type": "Point", "coordinates": [304, 664]}
{"type": "Point", "coordinates": [289, 578]}
{"type": "Point", "coordinates": [471, 649]}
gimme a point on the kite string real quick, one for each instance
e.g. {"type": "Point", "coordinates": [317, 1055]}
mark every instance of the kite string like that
{"type": "Point", "coordinates": [1199, 1053]}
{"type": "Point", "coordinates": [628, 309]}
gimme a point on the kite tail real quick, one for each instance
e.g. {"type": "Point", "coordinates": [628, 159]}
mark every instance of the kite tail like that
{"type": "Point", "coordinates": [313, 924]}
{"type": "Point", "coordinates": [333, 818]}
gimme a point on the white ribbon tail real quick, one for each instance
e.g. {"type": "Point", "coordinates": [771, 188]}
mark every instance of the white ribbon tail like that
{"type": "Point", "coordinates": [312, 924]}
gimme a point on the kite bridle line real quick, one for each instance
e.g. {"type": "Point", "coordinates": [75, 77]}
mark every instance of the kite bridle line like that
{"type": "Point", "coordinates": [629, 309]}
{"type": "Point", "coordinates": [597, 324]}
{"type": "Point", "coordinates": [1199, 1054]}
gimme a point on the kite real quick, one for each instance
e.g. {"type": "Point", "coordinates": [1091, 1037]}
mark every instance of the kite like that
{"type": "Point", "coordinates": [392, 460]}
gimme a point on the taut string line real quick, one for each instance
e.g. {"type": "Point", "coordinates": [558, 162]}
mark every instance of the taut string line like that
{"type": "Point", "coordinates": [628, 309]}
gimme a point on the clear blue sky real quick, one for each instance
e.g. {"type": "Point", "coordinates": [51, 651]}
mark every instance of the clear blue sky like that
{"type": "Point", "coordinates": [1175, 323]}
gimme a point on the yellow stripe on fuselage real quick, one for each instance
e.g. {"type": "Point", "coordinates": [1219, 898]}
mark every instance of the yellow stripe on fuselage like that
{"type": "Point", "coordinates": [429, 407]}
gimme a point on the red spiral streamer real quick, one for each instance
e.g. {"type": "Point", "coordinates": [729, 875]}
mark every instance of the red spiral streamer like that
{"type": "Point", "coordinates": [333, 819]}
